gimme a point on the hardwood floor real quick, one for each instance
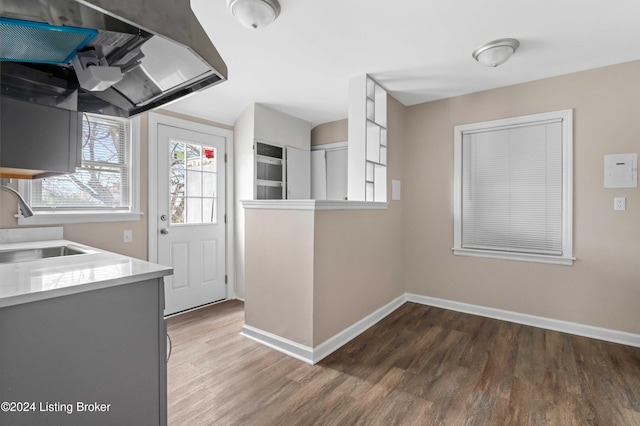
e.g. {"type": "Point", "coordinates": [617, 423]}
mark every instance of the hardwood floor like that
{"type": "Point", "coordinates": [419, 366]}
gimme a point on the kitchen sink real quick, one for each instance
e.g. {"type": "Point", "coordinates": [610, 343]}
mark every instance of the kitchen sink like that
{"type": "Point", "coordinates": [26, 255]}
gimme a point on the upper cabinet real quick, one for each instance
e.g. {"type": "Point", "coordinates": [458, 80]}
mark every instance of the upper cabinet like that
{"type": "Point", "coordinates": [329, 171]}
{"type": "Point", "coordinates": [38, 140]}
{"type": "Point", "coordinates": [282, 172]}
{"type": "Point", "coordinates": [367, 160]}
{"type": "Point", "coordinates": [272, 158]}
{"type": "Point", "coordinates": [270, 183]}
{"type": "Point", "coordinates": [298, 173]}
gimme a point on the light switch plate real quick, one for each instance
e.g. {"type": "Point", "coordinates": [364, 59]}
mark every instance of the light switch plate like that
{"type": "Point", "coordinates": [395, 190]}
{"type": "Point", "coordinates": [621, 170]}
{"type": "Point", "coordinates": [619, 203]}
{"type": "Point", "coordinates": [127, 236]}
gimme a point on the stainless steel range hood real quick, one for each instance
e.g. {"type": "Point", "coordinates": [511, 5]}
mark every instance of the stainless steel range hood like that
{"type": "Point", "coordinates": [159, 48]}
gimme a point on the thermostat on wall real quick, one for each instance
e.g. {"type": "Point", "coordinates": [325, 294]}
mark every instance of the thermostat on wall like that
{"type": "Point", "coordinates": [621, 171]}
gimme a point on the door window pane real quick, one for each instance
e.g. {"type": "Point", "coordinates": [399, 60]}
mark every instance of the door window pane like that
{"type": "Point", "coordinates": [209, 159]}
{"type": "Point", "coordinates": [193, 183]}
{"type": "Point", "coordinates": [194, 210]}
{"type": "Point", "coordinates": [209, 210]}
{"type": "Point", "coordinates": [194, 157]}
{"type": "Point", "coordinates": [209, 184]}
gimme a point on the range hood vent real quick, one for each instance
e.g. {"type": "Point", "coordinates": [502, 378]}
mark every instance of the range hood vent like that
{"type": "Point", "coordinates": [26, 41]}
{"type": "Point", "coordinates": [112, 57]}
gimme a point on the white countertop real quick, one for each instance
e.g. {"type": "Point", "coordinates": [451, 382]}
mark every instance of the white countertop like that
{"type": "Point", "coordinates": [30, 281]}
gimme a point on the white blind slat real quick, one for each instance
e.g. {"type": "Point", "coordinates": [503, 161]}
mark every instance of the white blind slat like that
{"type": "Point", "coordinates": [512, 188]}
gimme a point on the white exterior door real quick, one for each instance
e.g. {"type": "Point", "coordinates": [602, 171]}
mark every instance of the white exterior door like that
{"type": "Point", "coordinates": [191, 222]}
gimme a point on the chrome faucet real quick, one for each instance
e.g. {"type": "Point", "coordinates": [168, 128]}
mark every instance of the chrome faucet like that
{"type": "Point", "coordinates": [22, 204]}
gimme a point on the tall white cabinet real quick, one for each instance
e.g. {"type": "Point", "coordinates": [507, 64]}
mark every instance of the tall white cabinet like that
{"type": "Point", "coordinates": [298, 173]}
{"type": "Point", "coordinates": [367, 159]}
{"type": "Point", "coordinates": [329, 171]}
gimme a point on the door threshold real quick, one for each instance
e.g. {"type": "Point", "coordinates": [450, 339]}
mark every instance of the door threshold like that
{"type": "Point", "coordinates": [195, 308]}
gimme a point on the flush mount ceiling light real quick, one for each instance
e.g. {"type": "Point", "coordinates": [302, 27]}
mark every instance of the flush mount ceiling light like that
{"type": "Point", "coordinates": [254, 14]}
{"type": "Point", "coordinates": [496, 52]}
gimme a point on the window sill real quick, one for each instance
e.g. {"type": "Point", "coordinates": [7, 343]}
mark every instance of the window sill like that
{"type": "Point", "coordinates": [524, 257]}
{"type": "Point", "coordinates": [79, 217]}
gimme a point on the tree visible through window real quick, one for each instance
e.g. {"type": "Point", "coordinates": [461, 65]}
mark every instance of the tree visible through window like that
{"type": "Point", "coordinates": [102, 181]}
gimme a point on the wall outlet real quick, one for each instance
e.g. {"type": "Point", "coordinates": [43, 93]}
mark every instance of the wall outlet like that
{"type": "Point", "coordinates": [619, 203]}
{"type": "Point", "coordinates": [127, 236]}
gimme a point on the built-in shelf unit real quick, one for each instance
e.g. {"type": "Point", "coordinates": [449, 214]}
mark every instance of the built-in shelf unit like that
{"type": "Point", "coordinates": [367, 171]}
{"type": "Point", "coordinates": [270, 172]}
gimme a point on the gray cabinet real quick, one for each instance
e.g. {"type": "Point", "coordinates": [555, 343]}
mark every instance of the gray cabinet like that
{"type": "Point", "coordinates": [104, 346]}
{"type": "Point", "coordinates": [38, 140]}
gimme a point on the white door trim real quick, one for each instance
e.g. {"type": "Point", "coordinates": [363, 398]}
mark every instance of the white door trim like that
{"type": "Point", "coordinates": [156, 119]}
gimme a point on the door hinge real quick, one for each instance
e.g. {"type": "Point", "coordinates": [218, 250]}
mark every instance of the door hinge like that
{"type": "Point", "coordinates": [225, 157]}
{"type": "Point", "coordinates": [225, 218]}
{"type": "Point", "coordinates": [226, 279]}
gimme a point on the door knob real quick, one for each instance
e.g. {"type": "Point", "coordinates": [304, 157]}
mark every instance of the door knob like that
{"type": "Point", "coordinates": [164, 231]}
{"type": "Point", "coordinates": [163, 218]}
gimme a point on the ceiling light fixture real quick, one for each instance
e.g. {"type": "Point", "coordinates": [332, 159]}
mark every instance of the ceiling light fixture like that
{"type": "Point", "coordinates": [496, 52]}
{"type": "Point", "coordinates": [254, 14]}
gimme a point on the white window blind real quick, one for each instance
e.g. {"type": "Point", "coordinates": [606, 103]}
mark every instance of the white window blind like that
{"type": "Point", "coordinates": [512, 189]}
{"type": "Point", "coordinates": [103, 180]}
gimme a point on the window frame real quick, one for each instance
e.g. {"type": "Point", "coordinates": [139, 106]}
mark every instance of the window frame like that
{"type": "Point", "coordinates": [79, 215]}
{"type": "Point", "coordinates": [567, 188]}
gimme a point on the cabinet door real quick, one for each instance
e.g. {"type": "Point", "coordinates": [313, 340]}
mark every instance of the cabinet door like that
{"type": "Point", "coordinates": [298, 174]}
{"type": "Point", "coordinates": [106, 346]}
{"type": "Point", "coordinates": [337, 174]}
{"type": "Point", "coordinates": [318, 175]}
{"type": "Point", "coordinates": [40, 138]}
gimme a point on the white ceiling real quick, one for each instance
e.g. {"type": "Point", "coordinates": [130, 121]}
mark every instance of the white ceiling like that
{"type": "Point", "coordinates": [419, 50]}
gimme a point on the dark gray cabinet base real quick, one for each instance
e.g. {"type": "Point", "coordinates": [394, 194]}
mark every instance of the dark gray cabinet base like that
{"type": "Point", "coordinates": [92, 358]}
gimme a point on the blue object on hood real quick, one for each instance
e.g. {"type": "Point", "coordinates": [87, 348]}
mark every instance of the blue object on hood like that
{"type": "Point", "coordinates": [27, 41]}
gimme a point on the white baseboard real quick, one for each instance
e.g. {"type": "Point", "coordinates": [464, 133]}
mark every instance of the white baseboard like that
{"type": "Point", "coordinates": [286, 346]}
{"type": "Point", "coordinates": [345, 336]}
{"type": "Point", "coordinates": [606, 334]}
{"type": "Point", "coordinates": [314, 355]}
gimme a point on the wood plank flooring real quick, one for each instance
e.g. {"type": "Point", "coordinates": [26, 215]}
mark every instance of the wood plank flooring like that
{"type": "Point", "coordinates": [419, 366]}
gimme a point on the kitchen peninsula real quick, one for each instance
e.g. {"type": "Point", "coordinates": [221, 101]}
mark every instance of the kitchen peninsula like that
{"type": "Point", "coordinates": [328, 265]}
{"type": "Point", "coordinates": [81, 331]}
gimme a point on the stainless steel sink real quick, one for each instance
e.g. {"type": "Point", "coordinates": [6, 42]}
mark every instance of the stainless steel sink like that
{"type": "Point", "coordinates": [26, 255]}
